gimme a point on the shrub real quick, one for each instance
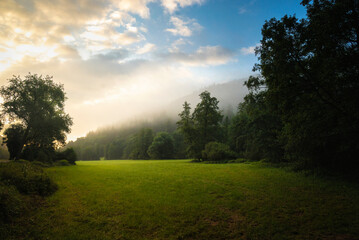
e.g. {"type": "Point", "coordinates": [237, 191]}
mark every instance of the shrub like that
{"type": "Point", "coordinates": [27, 178]}
{"type": "Point", "coordinates": [69, 154]}
{"type": "Point", "coordinates": [63, 162]}
{"type": "Point", "coordinates": [41, 164]}
{"type": "Point", "coordinates": [11, 203]}
{"type": "Point", "coordinates": [35, 153]}
{"type": "Point", "coordinates": [215, 151]}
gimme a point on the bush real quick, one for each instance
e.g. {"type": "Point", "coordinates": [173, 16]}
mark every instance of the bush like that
{"type": "Point", "coordinates": [41, 164]}
{"type": "Point", "coordinates": [11, 203]}
{"type": "Point", "coordinates": [27, 178]}
{"type": "Point", "coordinates": [69, 154]}
{"type": "Point", "coordinates": [63, 162]}
{"type": "Point", "coordinates": [34, 153]}
{"type": "Point", "coordinates": [218, 152]}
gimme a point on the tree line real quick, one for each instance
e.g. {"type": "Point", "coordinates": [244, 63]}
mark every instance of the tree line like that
{"type": "Point", "coordinates": [161, 139]}
{"type": "Point", "coordinates": [138, 140]}
{"type": "Point", "coordinates": [302, 107]}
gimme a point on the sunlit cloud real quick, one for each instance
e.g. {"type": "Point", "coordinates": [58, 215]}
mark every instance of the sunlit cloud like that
{"type": "Point", "coordinates": [134, 6]}
{"type": "Point", "coordinates": [183, 27]}
{"type": "Point", "coordinates": [173, 5]}
{"type": "Point", "coordinates": [148, 47]}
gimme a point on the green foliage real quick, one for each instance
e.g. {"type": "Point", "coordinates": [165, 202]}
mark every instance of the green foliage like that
{"type": "Point", "coordinates": [115, 150]}
{"type": "Point", "coordinates": [36, 153]}
{"type": "Point", "coordinates": [202, 126]}
{"type": "Point", "coordinates": [304, 106]}
{"type": "Point", "coordinates": [38, 104]}
{"type": "Point", "coordinates": [11, 203]}
{"type": "Point", "coordinates": [139, 143]}
{"type": "Point", "coordinates": [255, 130]}
{"type": "Point", "coordinates": [68, 154]}
{"type": "Point", "coordinates": [162, 146]}
{"type": "Point", "coordinates": [120, 142]}
{"type": "Point", "coordinates": [217, 152]}
{"type": "Point", "coordinates": [40, 164]}
{"type": "Point", "coordinates": [27, 178]}
{"type": "Point", "coordinates": [13, 139]}
{"type": "Point", "coordinates": [179, 145]}
{"type": "Point", "coordinates": [63, 162]}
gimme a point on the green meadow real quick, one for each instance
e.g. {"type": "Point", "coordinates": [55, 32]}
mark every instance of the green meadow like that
{"type": "Point", "coordinates": [176, 199]}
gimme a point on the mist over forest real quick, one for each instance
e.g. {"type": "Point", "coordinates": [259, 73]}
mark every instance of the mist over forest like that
{"type": "Point", "coordinates": [112, 142]}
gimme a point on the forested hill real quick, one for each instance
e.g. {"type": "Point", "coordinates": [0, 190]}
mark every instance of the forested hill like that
{"type": "Point", "coordinates": [131, 140]}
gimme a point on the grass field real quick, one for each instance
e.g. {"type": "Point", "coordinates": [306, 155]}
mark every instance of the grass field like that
{"type": "Point", "coordinates": [183, 200]}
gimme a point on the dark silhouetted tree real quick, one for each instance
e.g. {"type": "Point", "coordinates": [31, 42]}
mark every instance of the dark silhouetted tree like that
{"type": "Point", "coordinates": [310, 72]}
{"type": "Point", "coordinates": [13, 139]}
{"type": "Point", "coordinates": [37, 103]}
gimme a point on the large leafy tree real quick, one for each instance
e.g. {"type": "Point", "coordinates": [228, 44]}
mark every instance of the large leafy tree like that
{"type": "Point", "coordinates": [310, 72]}
{"type": "Point", "coordinates": [37, 104]}
{"type": "Point", "coordinates": [203, 126]}
{"type": "Point", "coordinates": [207, 120]}
{"type": "Point", "coordinates": [162, 146]}
{"type": "Point", "coordinates": [255, 130]}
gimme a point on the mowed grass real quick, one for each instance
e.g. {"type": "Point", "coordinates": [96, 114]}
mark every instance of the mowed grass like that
{"type": "Point", "coordinates": [182, 200]}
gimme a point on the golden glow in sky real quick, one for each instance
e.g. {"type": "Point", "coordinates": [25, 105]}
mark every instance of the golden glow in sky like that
{"type": "Point", "coordinates": [118, 59]}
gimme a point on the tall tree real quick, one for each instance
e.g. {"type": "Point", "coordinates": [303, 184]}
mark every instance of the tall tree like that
{"type": "Point", "coordinates": [37, 103]}
{"type": "Point", "coordinates": [186, 127]}
{"type": "Point", "coordinates": [207, 119]}
{"type": "Point", "coordinates": [203, 126]}
{"type": "Point", "coordinates": [310, 70]}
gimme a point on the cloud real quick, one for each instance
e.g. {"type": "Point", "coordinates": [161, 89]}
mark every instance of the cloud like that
{"type": "Point", "coordinates": [134, 6]}
{"type": "Point", "coordinates": [114, 55]}
{"type": "Point", "coordinates": [172, 5]}
{"type": "Point", "coordinates": [249, 50]}
{"type": "Point", "coordinates": [64, 29]}
{"type": "Point", "coordinates": [203, 56]}
{"type": "Point", "coordinates": [148, 47]}
{"type": "Point", "coordinates": [176, 45]}
{"type": "Point", "coordinates": [104, 34]}
{"type": "Point", "coordinates": [140, 6]}
{"type": "Point", "coordinates": [183, 27]}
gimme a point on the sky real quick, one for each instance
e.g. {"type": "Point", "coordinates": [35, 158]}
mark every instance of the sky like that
{"type": "Point", "coordinates": [118, 59]}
